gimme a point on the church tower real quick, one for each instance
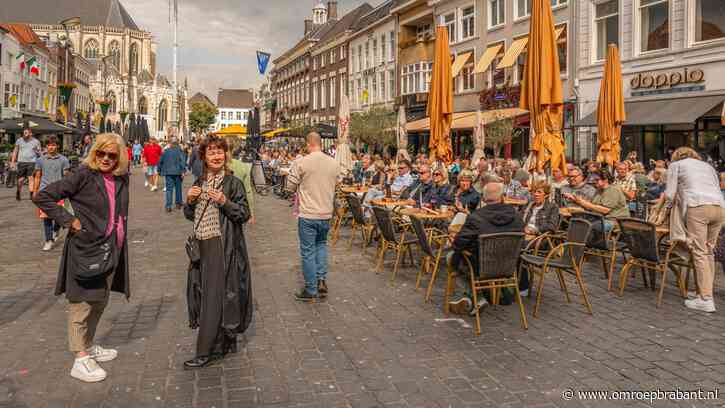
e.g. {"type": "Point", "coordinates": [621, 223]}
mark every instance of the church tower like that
{"type": "Point", "coordinates": [319, 14]}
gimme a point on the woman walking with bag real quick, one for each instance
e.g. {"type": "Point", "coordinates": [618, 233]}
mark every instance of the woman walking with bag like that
{"type": "Point", "coordinates": [95, 256]}
{"type": "Point", "coordinates": [218, 207]}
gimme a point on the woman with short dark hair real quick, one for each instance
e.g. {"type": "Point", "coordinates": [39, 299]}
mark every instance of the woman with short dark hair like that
{"type": "Point", "coordinates": [217, 205]}
{"type": "Point", "coordinates": [95, 256]}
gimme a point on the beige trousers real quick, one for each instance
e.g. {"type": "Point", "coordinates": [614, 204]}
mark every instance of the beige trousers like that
{"type": "Point", "coordinates": [83, 318]}
{"type": "Point", "coordinates": [703, 228]}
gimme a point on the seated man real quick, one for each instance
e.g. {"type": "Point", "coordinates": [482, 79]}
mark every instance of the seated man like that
{"type": "Point", "coordinates": [609, 200]}
{"type": "Point", "coordinates": [495, 217]}
{"type": "Point", "coordinates": [464, 197]}
{"type": "Point", "coordinates": [403, 180]}
{"type": "Point", "coordinates": [422, 191]}
{"type": "Point", "coordinates": [577, 188]}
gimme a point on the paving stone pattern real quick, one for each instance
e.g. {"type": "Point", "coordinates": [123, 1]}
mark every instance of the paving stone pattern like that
{"type": "Point", "coordinates": [368, 345]}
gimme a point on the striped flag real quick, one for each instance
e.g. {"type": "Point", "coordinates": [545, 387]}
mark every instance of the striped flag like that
{"type": "Point", "coordinates": [20, 59]}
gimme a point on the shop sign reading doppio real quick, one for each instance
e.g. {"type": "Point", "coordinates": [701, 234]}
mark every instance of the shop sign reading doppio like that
{"type": "Point", "coordinates": [649, 80]}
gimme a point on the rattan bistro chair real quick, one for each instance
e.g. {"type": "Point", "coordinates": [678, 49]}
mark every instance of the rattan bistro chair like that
{"type": "Point", "coordinates": [498, 256]}
{"type": "Point", "coordinates": [602, 245]}
{"type": "Point", "coordinates": [359, 222]}
{"type": "Point", "coordinates": [388, 240]}
{"type": "Point", "coordinates": [340, 215]}
{"type": "Point", "coordinates": [565, 257]}
{"type": "Point", "coordinates": [640, 237]}
{"type": "Point", "coordinates": [431, 257]}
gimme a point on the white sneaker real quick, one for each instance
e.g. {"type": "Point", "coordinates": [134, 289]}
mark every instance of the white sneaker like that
{"type": "Point", "coordinates": [524, 293]}
{"type": "Point", "coordinates": [699, 303]}
{"type": "Point", "coordinates": [691, 294]}
{"type": "Point", "coordinates": [87, 369]}
{"type": "Point", "coordinates": [145, 183]}
{"type": "Point", "coordinates": [48, 246]}
{"type": "Point", "coordinates": [164, 189]}
{"type": "Point", "coordinates": [481, 303]}
{"type": "Point", "coordinates": [154, 188]}
{"type": "Point", "coordinates": [101, 354]}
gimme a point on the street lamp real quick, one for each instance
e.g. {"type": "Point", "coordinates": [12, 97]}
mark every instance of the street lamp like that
{"type": "Point", "coordinates": [66, 88]}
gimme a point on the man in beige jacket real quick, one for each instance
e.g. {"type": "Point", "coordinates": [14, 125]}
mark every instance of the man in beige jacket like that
{"type": "Point", "coordinates": [314, 177]}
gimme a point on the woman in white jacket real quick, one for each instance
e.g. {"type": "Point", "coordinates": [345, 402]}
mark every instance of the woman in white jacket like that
{"type": "Point", "coordinates": [698, 186]}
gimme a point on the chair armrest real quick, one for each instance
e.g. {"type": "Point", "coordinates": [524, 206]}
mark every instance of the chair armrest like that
{"type": "Point", "coordinates": [559, 249]}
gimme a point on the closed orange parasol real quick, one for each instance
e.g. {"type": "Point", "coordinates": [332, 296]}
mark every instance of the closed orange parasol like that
{"type": "Point", "coordinates": [440, 99]}
{"type": "Point", "coordinates": [541, 91]}
{"type": "Point", "coordinates": [610, 112]}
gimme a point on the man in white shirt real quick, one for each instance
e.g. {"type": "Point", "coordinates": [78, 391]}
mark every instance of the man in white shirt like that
{"type": "Point", "coordinates": [26, 152]}
{"type": "Point", "coordinates": [313, 178]}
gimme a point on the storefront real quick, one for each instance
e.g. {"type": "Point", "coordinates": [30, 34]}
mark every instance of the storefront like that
{"type": "Point", "coordinates": [667, 109]}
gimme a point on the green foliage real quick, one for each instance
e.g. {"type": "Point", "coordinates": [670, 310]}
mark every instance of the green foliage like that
{"type": "Point", "coordinates": [375, 126]}
{"type": "Point", "coordinates": [201, 117]}
{"type": "Point", "coordinates": [499, 133]}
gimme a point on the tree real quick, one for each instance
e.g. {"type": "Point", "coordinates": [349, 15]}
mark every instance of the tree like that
{"type": "Point", "coordinates": [499, 133]}
{"type": "Point", "coordinates": [201, 117]}
{"type": "Point", "coordinates": [375, 127]}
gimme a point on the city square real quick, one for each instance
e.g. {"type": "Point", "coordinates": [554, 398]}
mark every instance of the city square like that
{"type": "Point", "coordinates": [393, 203]}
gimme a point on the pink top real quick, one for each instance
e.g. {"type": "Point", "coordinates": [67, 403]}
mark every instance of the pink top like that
{"type": "Point", "coordinates": [110, 183]}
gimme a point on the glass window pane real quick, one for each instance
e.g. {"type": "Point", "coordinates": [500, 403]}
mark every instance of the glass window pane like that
{"type": "Point", "coordinates": [654, 25]}
{"type": "Point", "coordinates": [709, 20]}
{"type": "Point", "coordinates": [605, 9]}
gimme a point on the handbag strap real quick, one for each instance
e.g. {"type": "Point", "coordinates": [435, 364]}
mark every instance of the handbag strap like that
{"type": "Point", "coordinates": [202, 216]}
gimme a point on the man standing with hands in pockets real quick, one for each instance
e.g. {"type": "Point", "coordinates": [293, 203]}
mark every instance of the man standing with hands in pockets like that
{"type": "Point", "coordinates": [314, 177]}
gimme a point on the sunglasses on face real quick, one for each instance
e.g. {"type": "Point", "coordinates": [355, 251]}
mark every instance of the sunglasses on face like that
{"type": "Point", "coordinates": [100, 155]}
{"type": "Point", "coordinates": [437, 174]}
{"type": "Point", "coordinates": [402, 168]}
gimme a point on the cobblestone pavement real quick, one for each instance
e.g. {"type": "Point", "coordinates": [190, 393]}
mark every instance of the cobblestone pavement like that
{"type": "Point", "coordinates": [368, 345]}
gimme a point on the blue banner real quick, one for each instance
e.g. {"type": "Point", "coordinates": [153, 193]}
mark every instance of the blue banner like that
{"type": "Point", "coordinates": [262, 61]}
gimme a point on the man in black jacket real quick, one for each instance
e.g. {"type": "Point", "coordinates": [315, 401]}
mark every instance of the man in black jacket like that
{"type": "Point", "coordinates": [422, 191]}
{"type": "Point", "coordinates": [495, 217]}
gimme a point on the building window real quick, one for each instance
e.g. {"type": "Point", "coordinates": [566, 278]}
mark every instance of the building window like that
{"type": "Point", "coordinates": [383, 52]}
{"type": "Point", "coordinates": [468, 23]}
{"type": "Point", "coordinates": [498, 76]}
{"type": "Point", "coordinates": [496, 13]}
{"type": "Point", "coordinates": [521, 65]}
{"type": "Point", "coordinates": [709, 20]}
{"type": "Point", "coordinates": [366, 91]}
{"type": "Point", "coordinates": [374, 93]}
{"type": "Point", "coordinates": [239, 115]}
{"type": "Point", "coordinates": [343, 53]}
{"type": "Point", "coordinates": [557, 3]}
{"type": "Point", "coordinates": [523, 8]}
{"type": "Point", "coordinates": [333, 91]}
{"type": "Point", "coordinates": [391, 85]}
{"type": "Point", "coordinates": [358, 92]}
{"type": "Point", "coordinates": [359, 58]}
{"type": "Point", "coordinates": [375, 52]}
{"type": "Point", "coordinates": [416, 78]}
{"type": "Point", "coordinates": [606, 20]}
{"type": "Point", "coordinates": [314, 95]}
{"type": "Point", "coordinates": [114, 50]}
{"type": "Point", "coordinates": [422, 31]}
{"type": "Point", "coordinates": [561, 45]}
{"type": "Point", "coordinates": [224, 116]}
{"type": "Point", "coordinates": [133, 59]}
{"type": "Point", "coordinates": [468, 78]}
{"type": "Point", "coordinates": [323, 94]}
{"type": "Point", "coordinates": [383, 95]}
{"type": "Point", "coordinates": [352, 60]}
{"type": "Point", "coordinates": [90, 51]}
{"type": "Point", "coordinates": [392, 46]}
{"type": "Point", "coordinates": [654, 24]}
{"type": "Point", "coordinates": [367, 54]}
{"type": "Point", "coordinates": [449, 20]}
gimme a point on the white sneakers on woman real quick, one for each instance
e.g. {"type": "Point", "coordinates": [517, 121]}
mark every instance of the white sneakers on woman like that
{"type": "Point", "coordinates": [86, 368]}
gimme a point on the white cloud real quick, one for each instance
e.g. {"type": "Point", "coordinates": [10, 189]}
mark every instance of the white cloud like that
{"type": "Point", "coordinates": [218, 39]}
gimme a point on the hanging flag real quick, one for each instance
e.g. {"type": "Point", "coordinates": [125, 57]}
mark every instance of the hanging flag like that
{"type": "Point", "coordinates": [34, 66]}
{"type": "Point", "coordinates": [46, 103]}
{"type": "Point", "coordinates": [20, 59]}
{"type": "Point", "coordinates": [262, 61]}
{"type": "Point", "coordinates": [13, 100]}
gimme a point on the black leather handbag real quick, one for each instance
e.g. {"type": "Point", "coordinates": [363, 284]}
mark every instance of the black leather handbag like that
{"type": "Point", "coordinates": [192, 244]}
{"type": "Point", "coordinates": [92, 259]}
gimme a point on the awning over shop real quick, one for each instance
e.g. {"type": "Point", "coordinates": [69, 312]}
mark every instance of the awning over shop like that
{"type": "Point", "coordinates": [274, 133]}
{"type": "Point", "coordinates": [518, 46]}
{"type": "Point", "coordinates": [509, 59]}
{"type": "Point", "coordinates": [487, 58]}
{"type": "Point", "coordinates": [467, 120]}
{"type": "Point", "coordinates": [458, 64]}
{"type": "Point", "coordinates": [38, 125]}
{"type": "Point", "coordinates": [233, 130]}
{"type": "Point", "coordinates": [662, 111]}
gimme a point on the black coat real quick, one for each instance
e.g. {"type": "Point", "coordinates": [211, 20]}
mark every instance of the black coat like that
{"type": "Point", "coordinates": [86, 190]}
{"type": "Point", "coordinates": [238, 306]}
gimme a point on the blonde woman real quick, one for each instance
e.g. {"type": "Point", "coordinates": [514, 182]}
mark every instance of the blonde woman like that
{"type": "Point", "coordinates": [698, 186]}
{"type": "Point", "coordinates": [98, 193]}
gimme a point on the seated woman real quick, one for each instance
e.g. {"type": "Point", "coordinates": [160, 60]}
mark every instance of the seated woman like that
{"type": "Point", "coordinates": [441, 187]}
{"type": "Point", "coordinates": [377, 179]}
{"type": "Point", "coordinates": [512, 188]}
{"type": "Point", "coordinates": [464, 197]}
{"type": "Point", "coordinates": [540, 217]}
{"type": "Point", "coordinates": [657, 184]}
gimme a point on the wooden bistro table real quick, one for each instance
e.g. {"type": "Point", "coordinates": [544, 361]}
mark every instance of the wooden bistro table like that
{"type": "Point", "coordinates": [388, 202]}
{"type": "Point", "coordinates": [567, 212]}
{"type": "Point", "coordinates": [428, 215]}
{"type": "Point", "coordinates": [515, 201]}
{"type": "Point", "coordinates": [354, 190]}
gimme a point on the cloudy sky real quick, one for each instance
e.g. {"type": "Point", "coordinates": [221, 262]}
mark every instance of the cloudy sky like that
{"type": "Point", "coordinates": [218, 39]}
